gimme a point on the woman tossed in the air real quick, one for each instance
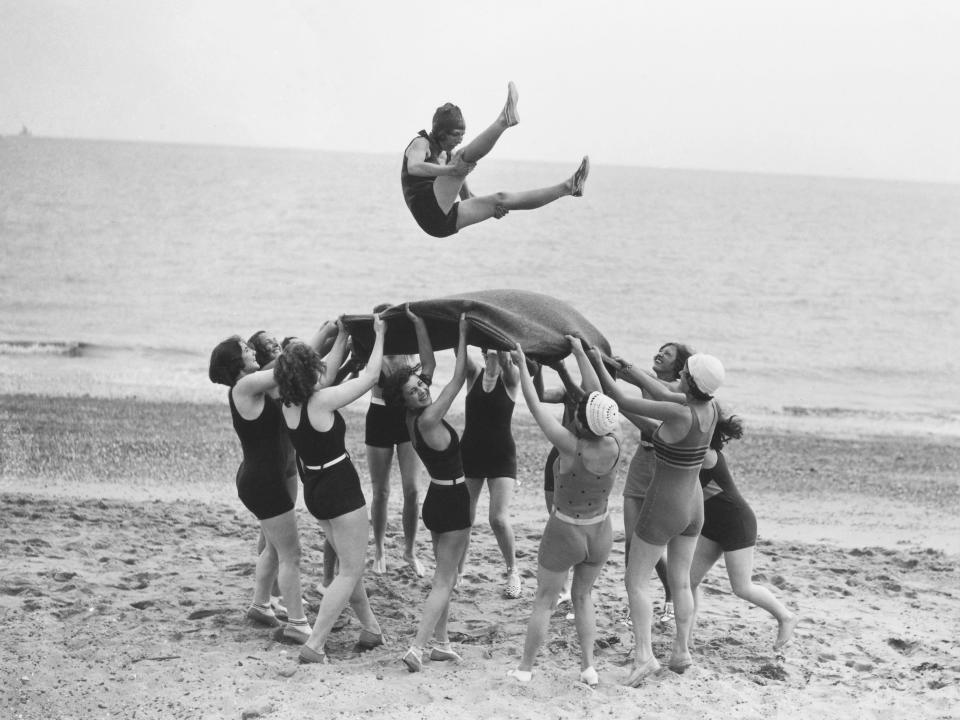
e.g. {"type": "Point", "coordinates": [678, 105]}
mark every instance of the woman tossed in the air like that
{"type": "Point", "coordinates": [433, 176]}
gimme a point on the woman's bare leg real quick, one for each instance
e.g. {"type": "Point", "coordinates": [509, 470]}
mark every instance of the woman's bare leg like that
{"type": "Point", "coordinates": [480, 208]}
{"type": "Point", "coordinates": [549, 583]}
{"type": "Point", "coordinates": [281, 533]}
{"type": "Point", "coordinates": [379, 460]}
{"type": "Point", "coordinates": [449, 548]}
{"type": "Point", "coordinates": [643, 558]}
{"type": "Point", "coordinates": [680, 552]}
{"type": "Point", "coordinates": [584, 577]}
{"type": "Point", "coordinates": [409, 473]}
{"type": "Point", "coordinates": [740, 571]}
{"type": "Point", "coordinates": [704, 558]}
{"type": "Point", "coordinates": [446, 188]}
{"type": "Point", "coordinates": [348, 534]}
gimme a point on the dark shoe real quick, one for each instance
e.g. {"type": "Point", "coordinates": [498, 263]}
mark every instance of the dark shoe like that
{"type": "Point", "coordinates": [368, 641]}
{"type": "Point", "coordinates": [262, 617]}
{"type": "Point", "coordinates": [310, 656]}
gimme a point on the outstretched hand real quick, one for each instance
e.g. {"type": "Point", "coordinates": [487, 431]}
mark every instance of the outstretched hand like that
{"type": "Point", "coordinates": [576, 344]}
{"type": "Point", "coordinates": [499, 211]}
{"type": "Point", "coordinates": [464, 325]}
{"type": "Point", "coordinates": [410, 314]}
{"type": "Point", "coordinates": [379, 325]}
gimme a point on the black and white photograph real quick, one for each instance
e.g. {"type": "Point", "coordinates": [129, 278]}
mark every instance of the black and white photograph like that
{"type": "Point", "coordinates": [516, 359]}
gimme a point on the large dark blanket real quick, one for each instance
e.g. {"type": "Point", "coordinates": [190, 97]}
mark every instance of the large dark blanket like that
{"type": "Point", "coordinates": [499, 319]}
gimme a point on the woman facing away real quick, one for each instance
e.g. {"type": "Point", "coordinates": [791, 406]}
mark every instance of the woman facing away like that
{"type": "Point", "coordinates": [386, 431]}
{"type": "Point", "coordinates": [489, 452]}
{"type": "Point", "coordinates": [267, 349]}
{"type": "Point", "coordinates": [568, 394]}
{"type": "Point", "coordinates": [730, 529]}
{"type": "Point", "coordinates": [433, 176]}
{"type": "Point", "coordinates": [446, 508]}
{"type": "Point", "coordinates": [667, 364]}
{"type": "Point", "coordinates": [672, 513]}
{"type": "Point", "coordinates": [578, 533]}
{"type": "Point", "coordinates": [261, 480]}
{"type": "Point", "coordinates": [331, 486]}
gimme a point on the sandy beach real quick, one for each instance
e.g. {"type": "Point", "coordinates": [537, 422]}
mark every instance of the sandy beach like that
{"type": "Point", "coordinates": [128, 562]}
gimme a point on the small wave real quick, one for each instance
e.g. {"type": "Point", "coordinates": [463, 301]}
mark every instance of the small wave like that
{"type": "Point", "coordinates": [76, 349]}
{"type": "Point", "coordinates": [43, 347]}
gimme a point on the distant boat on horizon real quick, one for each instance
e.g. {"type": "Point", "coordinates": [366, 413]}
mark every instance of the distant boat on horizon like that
{"type": "Point", "coordinates": [25, 132]}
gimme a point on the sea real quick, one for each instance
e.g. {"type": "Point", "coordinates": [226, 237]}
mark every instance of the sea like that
{"type": "Point", "coordinates": [832, 302]}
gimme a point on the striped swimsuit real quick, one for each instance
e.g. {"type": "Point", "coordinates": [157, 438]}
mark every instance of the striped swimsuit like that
{"type": "Point", "coordinates": [674, 502]}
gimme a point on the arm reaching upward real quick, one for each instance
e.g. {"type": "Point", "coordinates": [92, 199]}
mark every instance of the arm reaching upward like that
{"type": "Point", "coordinates": [588, 376]}
{"type": "Point", "coordinates": [564, 440]}
{"type": "Point", "coordinates": [336, 396]}
{"type": "Point", "coordinates": [435, 412]}
{"type": "Point", "coordinates": [428, 362]}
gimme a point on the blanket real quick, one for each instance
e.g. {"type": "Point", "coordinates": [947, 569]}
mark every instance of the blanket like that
{"type": "Point", "coordinates": [499, 319]}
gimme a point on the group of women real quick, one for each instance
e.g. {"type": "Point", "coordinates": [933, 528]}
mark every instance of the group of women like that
{"type": "Point", "coordinates": [681, 507]}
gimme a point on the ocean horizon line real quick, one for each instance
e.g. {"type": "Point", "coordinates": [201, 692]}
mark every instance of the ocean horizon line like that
{"type": "Point", "coordinates": [536, 161]}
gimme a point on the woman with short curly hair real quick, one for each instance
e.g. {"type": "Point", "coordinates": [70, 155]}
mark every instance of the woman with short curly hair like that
{"type": "Point", "coordinates": [331, 486]}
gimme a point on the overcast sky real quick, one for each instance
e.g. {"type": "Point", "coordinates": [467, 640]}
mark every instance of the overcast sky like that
{"type": "Point", "coordinates": [867, 88]}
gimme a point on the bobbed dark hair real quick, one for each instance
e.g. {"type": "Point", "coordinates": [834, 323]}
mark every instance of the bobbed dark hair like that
{"type": "Point", "coordinates": [258, 342]}
{"type": "Point", "coordinates": [728, 428]}
{"type": "Point", "coordinates": [381, 307]}
{"type": "Point", "coordinates": [226, 361]}
{"type": "Point", "coordinates": [394, 382]}
{"type": "Point", "coordinates": [683, 354]}
{"type": "Point", "coordinates": [446, 119]}
{"type": "Point", "coordinates": [296, 373]}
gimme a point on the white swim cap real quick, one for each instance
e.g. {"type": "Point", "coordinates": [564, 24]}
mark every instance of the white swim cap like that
{"type": "Point", "coordinates": [602, 414]}
{"type": "Point", "coordinates": [707, 372]}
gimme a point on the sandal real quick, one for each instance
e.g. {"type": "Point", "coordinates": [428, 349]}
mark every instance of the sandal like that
{"type": "Point", "coordinates": [442, 652]}
{"type": "Point", "coordinates": [514, 586]}
{"type": "Point", "coordinates": [413, 659]}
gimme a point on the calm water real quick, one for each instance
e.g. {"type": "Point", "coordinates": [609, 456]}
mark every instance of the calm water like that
{"type": "Point", "coordinates": [833, 303]}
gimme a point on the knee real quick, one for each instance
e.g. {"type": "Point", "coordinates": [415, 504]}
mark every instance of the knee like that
{"type": "Point", "coordinates": [291, 553]}
{"type": "Point", "coordinates": [742, 589]}
{"type": "Point", "coordinates": [499, 523]}
{"type": "Point", "coordinates": [381, 492]}
{"type": "Point", "coordinates": [411, 495]}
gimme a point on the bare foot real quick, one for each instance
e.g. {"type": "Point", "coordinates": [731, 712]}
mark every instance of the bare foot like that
{"type": "Point", "coordinates": [785, 634]}
{"type": "Point", "coordinates": [509, 112]}
{"type": "Point", "coordinates": [580, 177]}
{"type": "Point", "coordinates": [642, 671]}
{"type": "Point", "coordinates": [414, 562]}
{"type": "Point", "coordinates": [379, 565]}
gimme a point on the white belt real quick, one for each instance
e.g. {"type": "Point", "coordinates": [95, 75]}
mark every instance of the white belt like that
{"type": "Point", "coordinates": [377, 401]}
{"type": "Point", "coordinates": [581, 521]}
{"type": "Point", "coordinates": [331, 463]}
{"type": "Point", "coordinates": [458, 481]}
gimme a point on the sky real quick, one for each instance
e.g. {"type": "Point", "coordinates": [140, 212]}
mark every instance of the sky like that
{"type": "Point", "coordinates": [861, 88]}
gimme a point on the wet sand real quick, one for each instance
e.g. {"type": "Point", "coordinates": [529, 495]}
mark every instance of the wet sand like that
{"type": "Point", "coordinates": [128, 564]}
